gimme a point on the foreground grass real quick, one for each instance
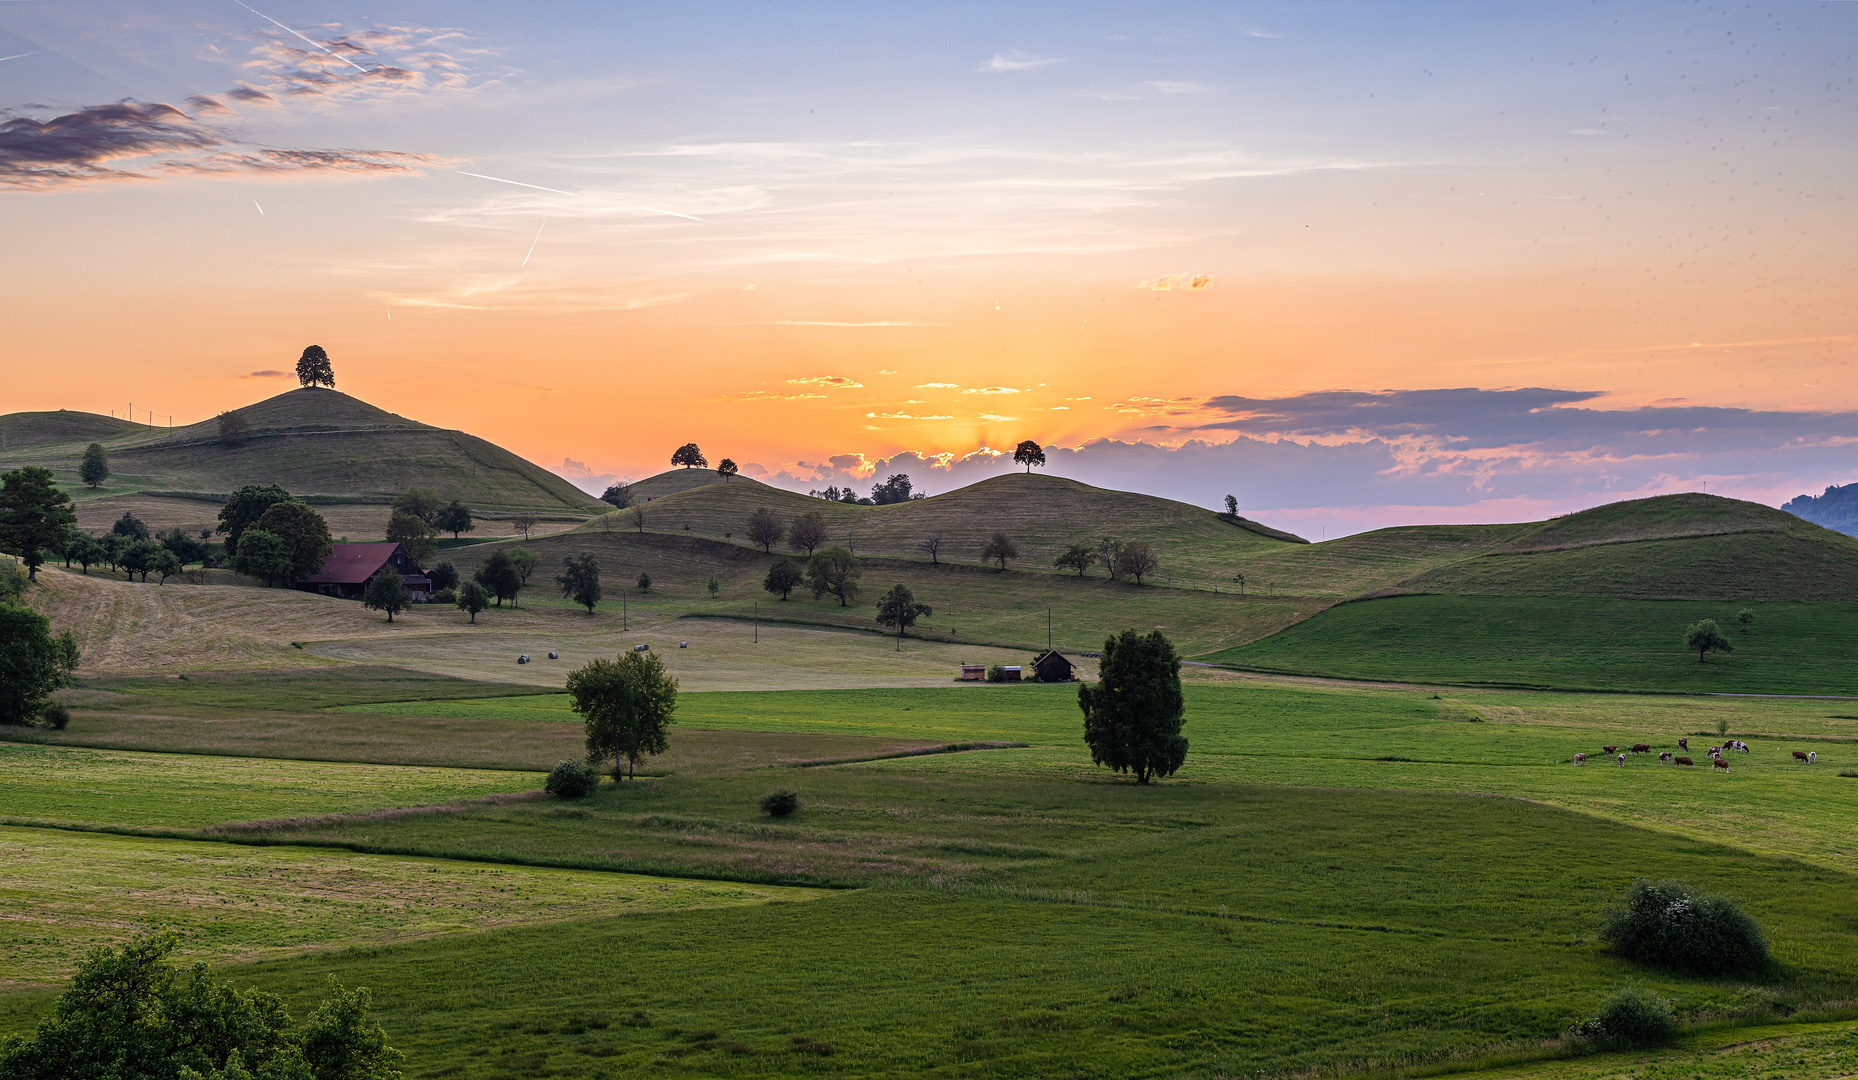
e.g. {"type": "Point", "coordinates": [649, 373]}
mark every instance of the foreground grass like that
{"type": "Point", "coordinates": [1569, 643]}
{"type": "Point", "coordinates": [69, 891]}
{"type": "Point", "coordinates": [1797, 1051]}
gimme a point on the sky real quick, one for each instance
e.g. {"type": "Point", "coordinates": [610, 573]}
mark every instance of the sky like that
{"type": "Point", "coordinates": [1356, 265]}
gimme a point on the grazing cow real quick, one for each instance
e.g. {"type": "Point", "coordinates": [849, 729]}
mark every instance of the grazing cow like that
{"type": "Point", "coordinates": [1641, 748]}
{"type": "Point", "coordinates": [1686, 761]}
{"type": "Point", "coordinates": [1610, 749]}
{"type": "Point", "coordinates": [1715, 751]}
{"type": "Point", "coordinates": [1799, 755]}
{"type": "Point", "coordinates": [1742, 746]}
{"type": "Point", "coordinates": [1722, 764]}
{"type": "Point", "coordinates": [1683, 744]}
{"type": "Point", "coordinates": [1664, 757]}
{"type": "Point", "coordinates": [1580, 759]}
{"type": "Point", "coordinates": [1812, 757]}
{"type": "Point", "coordinates": [1622, 761]}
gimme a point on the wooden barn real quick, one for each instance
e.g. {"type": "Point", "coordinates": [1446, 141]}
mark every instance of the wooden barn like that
{"type": "Point", "coordinates": [346, 571]}
{"type": "Point", "coordinates": [1053, 667]}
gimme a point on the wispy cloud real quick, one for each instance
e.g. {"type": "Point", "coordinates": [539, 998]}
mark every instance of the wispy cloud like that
{"type": "Point", "coordinates": [832, 382]}
{"type": "Point", "coordinates": [1014, 60]}
{"type": "Point", "coordinates": [938, 386]}
{"type": "Point", "coordinates": [1176, 281]}
{"type": "Point", "coordinates": [267, 374]}
{"type": "Point", "coordinates": [771, 395]}
{"type": "Point", "coordinates": [993, 390]}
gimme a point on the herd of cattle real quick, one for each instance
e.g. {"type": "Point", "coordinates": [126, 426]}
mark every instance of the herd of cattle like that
{"type": "Point", "coordinates": [1809, 757]}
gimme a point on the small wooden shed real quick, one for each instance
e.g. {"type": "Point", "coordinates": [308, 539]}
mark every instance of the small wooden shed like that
{"type": "Point", "coordinates": [1053, 667]}
{"type": "Point", "coordinates": [973, 672]}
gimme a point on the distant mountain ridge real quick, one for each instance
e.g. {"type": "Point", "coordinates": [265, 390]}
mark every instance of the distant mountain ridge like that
{"type": "Point", "coordinates": [1836, 509]}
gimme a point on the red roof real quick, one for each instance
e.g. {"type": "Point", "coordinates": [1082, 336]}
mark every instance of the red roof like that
{"type": "Point", "coordinates": [351, 564]}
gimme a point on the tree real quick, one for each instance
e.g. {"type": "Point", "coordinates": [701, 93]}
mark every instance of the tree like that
{"type": "Point", "coordinates": [85, 550]}
{"type": "Point", "coordinates": [628, 705]}
{"type": "Point", "coordinates": [499, 577]}
{"type": "Point", "coordinates": [783, 577]}
{"type": "Point", "coordinates": [1706, 637]}
{"type": "Point", "coordinates": [33, 663]}
{"type": "Point", "coordinates": [620, 495]}
{"type": "Point", "coordinates": [836, 571]}
{"type": "Point", "coordinates": [184, 546]}
{"type": "Point", "coordinates": [726, 470]}
{"type": "Point", "coordinates": [244, 508]}
{"type": "Point", "coordinates": [689, 456]}
{"type": "Point", "coordinates": [523, 523]}
{"type": "Point", "coordinates": [848, 495]}
{"type": "Point", "coordinates": [137, 557]}
{"type": "Point", "coordinates": [35, 517]}
{"type": "Point", "coordinates": [807, 531]}
{"type": "Point", "coordinates": [233, 430]}
{"type": "Point", "coordinates": [164, 565]}
{"type": "Point", "coordinates": [999, 549]}
{"type": "Point", "coordinates": [1746, 617]}
{"type": "Point", "coordinates": [262, 555]}
{"type": "Point", "coordinates": [1137, 560]}
{"type": "Point", "coordinates": [645, 582]}
{"type": "Point", "coordinates": [525, 562]}
{"type": "Point", "coordinates": [764, 529]}
{"type": "Point", "coordinates": [413, 533]}
{"type": "Point", "coordinates": [1109, 553]}
{"type": "Point", "coordinates": [131, 1012]}
{"type": "Point", "coordinates": [1077, 557]}
{"type": "Point", "coordinates": [421, 503]}
{"type": "Point", "coordinates": [899, 608]}
{"type": "Point", "coordinates": [1029, 454]}
{"type": "Point", "coordinates": [96, 467]}
{"type": "Point", "coordinates": [472, 598]}
{"type": "Point", "coordinates": [13, 582]}
{"type": "Point", "coordinates": [444, 576]}
{"type": "Point", "coordinates": [303, 530]}
{"type": "Point", "coordinates": [130, 526]}
{"type": "Point", "coordinates": [932, 547]}
{"type": "Point", "coordinates": [638, 517]}
{"type": "Point", "coordinates": [1232, 508]}
{"type": "Point", "coordinates": [385, 592]}
{"type": "Point", "coordinates": [1133, 714]}
{"type": "Point", "coordinates": [894, 489]}
{"type": "Point", "coordinates": [580, 580]}
{"type": "Point", "coordinates": [313, 368]}
{"type": "Point", "coordinates": [455, 517]}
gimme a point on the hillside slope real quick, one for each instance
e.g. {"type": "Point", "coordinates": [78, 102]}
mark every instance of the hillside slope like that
{"type": "Point", "coordinates": [1837, 508]}
{"type": "Point", "coordinates": [310, 441]}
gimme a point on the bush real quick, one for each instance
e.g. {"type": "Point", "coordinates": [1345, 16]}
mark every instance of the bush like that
{"type": "Point", "coordinates": [445, 596]}
{"type": "Point", "coordinates": [1670, 925]}
{"type": "Point", "coordinates": [1632, 1016]}
{"type": "Point", "coordinates": [996, 673]}
{"type": "Point", "coordinates": [780, 804]}
{"type": "Point", "coordinates": [55, 716]}
{"type": "Point", "coordinates": [572, 780]}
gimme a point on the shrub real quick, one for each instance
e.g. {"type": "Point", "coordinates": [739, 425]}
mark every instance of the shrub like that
{"type": "Point", "coordinates": [996, 673]}
{"type": "Point", "coordinates": [1670, 925]}
{"type": "Point", "coordinates": [781, 803]}
{"type": "Point", "coordinates": [572, 780]}
{"type": "Point", "coordinates": [55, 716]}
{"type": "Point", "coordinates": [1632, 1016]}
{"type": "Point", "coordinates": [445, 596]}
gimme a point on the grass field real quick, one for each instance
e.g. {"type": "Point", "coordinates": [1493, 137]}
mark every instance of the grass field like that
{"type": "Point", "coordinates": [1793, 1051]}
{"type": "Point", "coordinates": [1582, 643]}
{"type": "Point", "coordinates": [66, 892]}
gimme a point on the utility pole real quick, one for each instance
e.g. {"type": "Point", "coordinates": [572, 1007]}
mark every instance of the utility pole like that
{"type": "Point", "coordinates": [1048, 629]}
{"type": "Point", "coordinates": [623, 624]}
{"type": "Point", "coordinates": [757, 622]}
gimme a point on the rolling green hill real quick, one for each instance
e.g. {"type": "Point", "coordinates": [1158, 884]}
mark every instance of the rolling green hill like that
{"type": "Point", "coordinates": [311, 441]}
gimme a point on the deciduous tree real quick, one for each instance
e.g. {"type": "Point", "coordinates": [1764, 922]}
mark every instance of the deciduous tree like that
{"type": "Point", "coordinates": [444, 576]}
{"type": "Point", "coordinates": [499, 578]}
{"type": "Point", "coordinates": [1705, 637]}
{"type": "Point", "coordinates": [1133, 714]}
{"type": "Point", "coordinates": [894, 489]}
{"type": "Point", "coordinates": [164, 565]}
{"type": "Point", "coordinates": [1029, 453]}
{"type": "Point", "coordinates": [130, 526]}
{"type": "Point", "coordinates": [899, 608]}
{"type": "Point", "coordinates": [1232, 508]}
{"type": "Point", "coordinates": [96, 465]}
{"type": "Point", "coordinates": [313, 368]}
{"type": "Point", "coordinates": [690, 457]}
{"type": "Point", "coordinates": [807, 531]}
{"type": "Point", "coordinates": [525, 562]}
{"type": "Point", "coordinates": [261, 555]}
{"type": "Point", "coordinates": [619, 495]}
{"type": "Point", "coordinates": [783, 577]}
{"type": "Point", "coordinates": [244, 508]}
{"type": "Point", "coordinates": [523, 523]}
{"type": "Point", "coordinates": [414, 535]}
{"type": "Point", "coordinates": [764, 528]}
{"type": "Point", "coordinates": [1137, 560]}
{"type": "Point", "coordinates": [1746, 617]}
{"type": "Point", "coordinates": [1109, 551]}
{"type": "Point", "coordinates": [455, 518]}
{"type": "Point", "coordinates": [184, 546]}
{"type": "Point", "coordinates": [629, 706]}
{"type": "Point", "coordinates": [421, 503]}
{"type": "Point", "coordinates": [303, 530]}
{"type": "Point", "coordinates": [385, 592]}
{"type": "Point", "coordinates": [233, 430]}
{"type": "Point", "coordinates": [137, 557]}
{"type": "Point", "coordinates": [726, 470]}
{"type": "Point", "coordinates": [472, 598]}
{"type": "Point", "coordinates": [836, 571]}
{"type": "Point", "coordinates": [33, 663]}
{"type": "Point", "coordinates": [932, 547]}
{"type": "Point", "coordinates": [999, 549]}
{"type": "Point", "coordinates": [638, 517]}
{"type": "Point", "coordinates": [580, 580]}
{"type": "Point", "coordinates": [1077, 557]}
{"type": "Point", "coordinates": [85, 550]}
{"type": "Point", "coordinates": [35, 517]}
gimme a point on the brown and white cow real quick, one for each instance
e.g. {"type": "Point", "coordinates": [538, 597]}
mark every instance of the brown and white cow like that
{"type": "Point", "coordinates": [1641, 748]}
{"type": "Point", "coordinates": [1580, 759]}
{"type": "Point", "coordinates": [1686, 761]}
{"type": "Point", "coordinates": [1609, 749]}
{"type": "Point", "coordinates": [1683, 744]}
{"type": "Point", "coordinates": [1622, 761]}
{"type": "Point", "coordinates": [1722, 764]}
{"type": "Point", "coordinates": [1799, 755]}
{"type": "Point", "coordinates": [1664, 757]}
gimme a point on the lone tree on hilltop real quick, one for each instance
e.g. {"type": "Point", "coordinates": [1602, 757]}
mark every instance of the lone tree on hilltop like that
{"type": "Point", "coordinates": [1029, 453]}
{"type": "Point", "coordinates": [1232, 508]}
{"type": "Point", "coordinates": [1077, 557]}
{"type": "Point", "coordinates": [313, 368]}
{"type": "Point", "coordinates": [807, 531]}
{"type": "Point", "coordinates": [580, 580]}
{"type": "Point", "coordinates": [836, 571]}
{"type": "Point", "coordinates": [472, 598]}
{"type": "Point", "coordinates": [783, 577]}
{"type": "Point", "coordinates": [932, 547]}
{"type": "Point", "coordinates": [500, 578]}
{"type": "Point", "coordinates": [303, 531]}
{"type": "Point", "coordinates": [386, 592]}
{"type": "Point", "coordinates": [243, 510]}
{"type": "Point", "coordinates": [1133, 715]}
{"type": "Point", "coordinates": [36, 518]}
{"type": "Point", "coordinates": [764, 529]}
{"type": "Point", "coordinates": [619, 495]}
{"type": "Point", "coordinates": [899, 608]}
{"type": "Point", "coordinates": [233, 430]}
{"type": "Point", "coordinates": [454, 517]}
{"type": "Point", "coordinates": [726, 469]}
{"type": "Point", "coordinates": [999, 549]}
{"type": "Point", "coordinates": [690, 457]}
{"type": "Point", "coordinates": [33, 663]}
{"type": "Point", "coordinates": [96, 467]}
{"type": "Point", "coordinates": [1137, 560]}
{"type": "Point", "coordinates": [1705, 637]}
{"type": "Point", "coordinates": [629, 704]}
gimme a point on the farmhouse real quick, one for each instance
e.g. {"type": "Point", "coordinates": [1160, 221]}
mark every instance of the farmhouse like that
{"type": "Point", "coordinates": [346, 571]}
{"type": "Point", "coordinates": [1053, 667]}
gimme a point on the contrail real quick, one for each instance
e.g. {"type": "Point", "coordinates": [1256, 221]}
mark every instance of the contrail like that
{"type": "Point", "coordinates": [287, 29]}
{"type": "Point", "coordinates": [672, 213]}
{"type": "Point", "coordinates": [537, 240]}
{"type": "Point", "coordinates": [16, 56]}
{"type": "Point", "coordinates": [518, 183]}
{"type": "Point", "coordinates": [261, 210]}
